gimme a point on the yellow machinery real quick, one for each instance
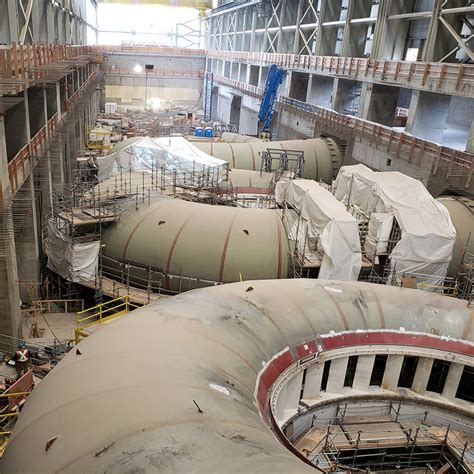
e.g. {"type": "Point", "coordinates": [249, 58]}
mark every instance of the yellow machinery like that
{"type": "Point", "coordinates": [99, 139]}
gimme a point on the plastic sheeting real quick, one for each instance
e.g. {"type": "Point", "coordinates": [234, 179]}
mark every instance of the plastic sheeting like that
{"type": "Point", "coordinates": [427, 233]}
{"type": "Point", "coordinates": [144, 154]}
{"type": "Point", "coordinates": [336, 228]}
{"type": "Point", "coordinates": [75, 262]}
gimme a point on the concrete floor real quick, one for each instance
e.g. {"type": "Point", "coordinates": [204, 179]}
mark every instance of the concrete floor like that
{"type": "Point", "coordinates": [61, 324]}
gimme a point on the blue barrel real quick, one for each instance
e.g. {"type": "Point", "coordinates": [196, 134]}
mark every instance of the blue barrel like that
{"type": "Point", "coordinates": [209, 132]}
{"type": "Point", "coordinates": [199, 132]}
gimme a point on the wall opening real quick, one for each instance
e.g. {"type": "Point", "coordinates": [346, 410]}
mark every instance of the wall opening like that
{"type": "Point", "coordinates": [407, 373]}
{"type": "Point", "coordinates": [378, 370]}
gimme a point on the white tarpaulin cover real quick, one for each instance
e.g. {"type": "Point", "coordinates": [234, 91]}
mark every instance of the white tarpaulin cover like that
{"type": "Point", "coordinates": [337, 229]}
{"type": "Point", "coordinates": [76, 262]}
{"type": "Point", "coordinates": [427, 233]}
{"type": "Point", "coordinates": [145, 154]}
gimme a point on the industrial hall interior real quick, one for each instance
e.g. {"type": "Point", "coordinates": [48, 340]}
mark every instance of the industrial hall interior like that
{"type": "Point", "coordinates": [237, 236]}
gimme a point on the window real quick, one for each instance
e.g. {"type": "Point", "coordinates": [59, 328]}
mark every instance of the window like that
{"type": "Point", "coordinates": [378, 370]}
{"type": "Point", "coordinates": [407, 374]}
{"type": "Point", "coordinates": [350, 371]}
{"type": "Point", "coordinates": [466, 383]}
{"type": "Point", "coordinates": [325, 377]}
{"type": "Point", "coordinates": [438, 375]}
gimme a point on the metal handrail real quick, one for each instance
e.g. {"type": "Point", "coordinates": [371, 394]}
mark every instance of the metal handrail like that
{"type": "Point", "coordinates": [102, 312]}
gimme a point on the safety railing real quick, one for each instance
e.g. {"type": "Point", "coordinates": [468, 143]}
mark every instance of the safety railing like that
{"type": "Point", "coordinates": [124, 48]}
{"type": "Point", "coordinates": [458, 78]}
{"type": "Point", "coordinates": [24, 161]}
{"type": "Point", "coordinates": [18, 60]}
{"type": "Point", "coordinates": [101, 313]}
{"type": "Point", "coordinates": [20, 167]}
{"type": "Point", "coordinates": [55, 306]}
{"type": "Point", "coordinates": [154, 73]}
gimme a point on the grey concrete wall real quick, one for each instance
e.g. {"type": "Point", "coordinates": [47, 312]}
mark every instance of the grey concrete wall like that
{"type": "Point", "coordinates": [320, 92]}
{"type": "Point", "coordinates": [36, 104]}
{"type": "Point", "coordinates": [347, 97]}
{"type": "Point", "coordinates": [254, 75]}
{"type": "Point", "coordinates": [299, 86]}
{"type": "Point", "coordinates": [382, 104]}
{"type": "Point", "coordinates": [15, 129]}
{"type": "Point", "coordinates": [430, 116]}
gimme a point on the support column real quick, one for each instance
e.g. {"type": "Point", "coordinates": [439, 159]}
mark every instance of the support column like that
{"type": "Point", "coordinates": [10, 314]}
{"type": "Point", "coordinates": [452, 381]}
{"type": "Point", "coordinates": [470, 139]}
{"type": "Point", "coordinates": [289, 397]}
{"type": "Point", "coordinates": [312, 385]}
{"type": "Point", "coordinates": [27, 119]}
{"type": "Point", "coordinates": [27, 241]}
{"type": "Point", "coordinates": [337, 374]}
{"type": "Point", "coordinates": [365, 364]}
{"type": "Point", "coordinates": [254, 27]}
{"type": "Point", "coordinates": [13, 21]}
{"type": "Point", "coordinates": [422, 375]}
{"type": "Point", "coordinates": [244, 28]}
{"type": "Point", "coordinates": [365, 97]}
{"type": "Point", "coordinates": [392, 372]}
{"type": "Point", "coordinates": [296, 44]}
{"type": "Point", "coordinates": [48, 154]}
{"type": "Point", "coordinates": [280, 31]}
{"type": "Point", "coordinates": [58, 100]}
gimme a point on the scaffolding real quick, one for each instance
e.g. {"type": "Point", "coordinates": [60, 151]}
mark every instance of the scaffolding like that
{"type": "Point", "coordinates": [390, 441]}
{"type": "Point", "coordinates": [281, 162]}
{"type": "Point", "coordinates": [465, 273]}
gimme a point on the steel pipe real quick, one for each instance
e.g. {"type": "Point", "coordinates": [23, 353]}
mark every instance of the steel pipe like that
{"type": "Point", "coordinates": [461, 212]}
{"type": "Point", "coordinates": [322, 155]}
{"type": "Point", "coordinates": [213, 244]}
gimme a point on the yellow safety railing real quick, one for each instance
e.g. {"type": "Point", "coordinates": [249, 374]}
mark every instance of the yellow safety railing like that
{"type": "Point", "coordinates": [100, 313]}
{"type": "Point", "coordinates": [445, 289]}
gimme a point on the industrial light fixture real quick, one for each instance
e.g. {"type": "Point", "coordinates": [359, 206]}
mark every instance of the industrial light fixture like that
{"type": "Point", "coordinates": [138, 69]}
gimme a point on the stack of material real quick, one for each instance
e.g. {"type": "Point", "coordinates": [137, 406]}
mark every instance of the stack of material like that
{"type": "Point", "coordinates": [334, 229]}
{"type": "Point", "coordinates": [427, 233]}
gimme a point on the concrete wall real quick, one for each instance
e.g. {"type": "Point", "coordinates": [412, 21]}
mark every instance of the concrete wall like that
{"type": "Point", "coordinates": [320, 91]}
{"type": "Point", "coordinates": [169, 81]}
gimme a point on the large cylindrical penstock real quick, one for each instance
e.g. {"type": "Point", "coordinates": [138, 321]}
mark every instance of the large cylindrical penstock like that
{"type": "Point", "coordinates": [322, 155]}
{"type": "Point", "coordinates": [128, 401]}
{"type": "Point", "coordinates": [213, 244]}
{"type": "Point", "coordinates": [461, 211]}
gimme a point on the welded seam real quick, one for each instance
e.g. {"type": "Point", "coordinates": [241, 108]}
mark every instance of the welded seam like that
{"type": "Point", "coordinates": [279, 247]}
{"type": "Point", "coordinates": [467, 327]}
{"type": "Point", "coordinates": [302, 312]}
{"type": "Point", "coordinates": [173, 246]}
{"type": "Point", "coordinates": [316, 158]}
{"type": "Point", "coordinates": [233, 155]}
{"type": "Point", "coordinates": [253, 156]}
{"type": "Point", "coordinates": [226, 245]}
{"type": "Point", "coordinates": [339, 309]}
{"type": "Point", "coordinates": [379, 307]}
{"type": "Point", "coordinates": [127, 243]}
